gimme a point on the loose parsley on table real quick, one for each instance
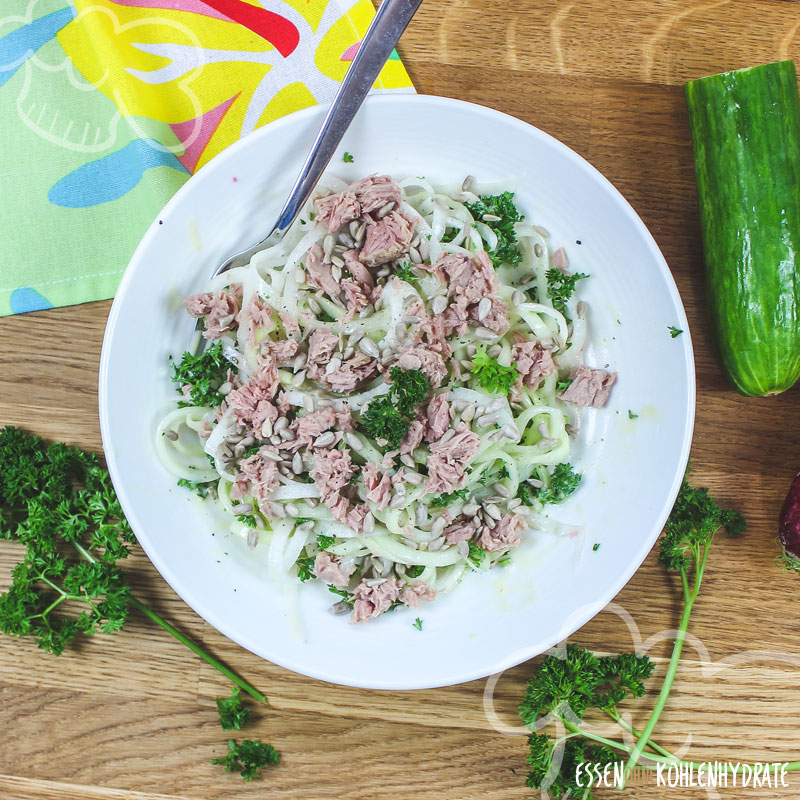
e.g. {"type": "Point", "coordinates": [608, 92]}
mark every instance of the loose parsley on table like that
{"type": "Point", "coordinates": [205, 374]}
{"type": "Point", "coordinates": [233, 713]}
{"type": "Point", "coordinates": [573, 680]}
{"type": "Point", "coordinates": [491, 374]}
{"type": "Point", "coordinates": [248, 758]}
{"type": "Point", "coordinates": [500, 205]}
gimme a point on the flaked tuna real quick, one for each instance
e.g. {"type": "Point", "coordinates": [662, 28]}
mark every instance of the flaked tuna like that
{"type": "Point", "coordinates": [284, 350]}
{"type": "Point", "coordinates": [321, 346]}
{"type": "Point", "coordinates": [359, 272]}
{"type": "Point", "coordinates": [413, 437]}
{"type": "Point", "coordinates": [371, 601]}
{"type": "Point", "coordinates": [290, 324]}
{"type": "Point", "coordinates": [449, 460]}
{"type": "Point", "coordinates": [331, 471]}
{"type": "Point", "coordinates": [355, 298]}
{"type": "Point", "coordinates": [437, 417]}
{"type": "Point", "coordinates": [533, 363]}
{"type": "Point", "coordinates": [336, 210]}
{"type": "Point", "coordinates": [378, 485]}
{"type": "Point", "coordinates": [252, 403]}
{"type": "Point", "coordinates": [319, 274]}
{"type": "Point", "coordinates": [311, 425]}
{"type": "Point", "coordinates": [257, 476]}
{"type": "Point", "coordinates": [427, 361]}
{"type": "Point", "coordinates": [388, 239]}
{"type": "Point", "coordinates": [411, 595]}
{"type": "Point", "coordinates": [219, 311]}
{"type": "Point", "coordinates": [350, 374]}
{"type": "Point", "coordinates": [589, 387]}
{"type": "Point", "coordinates": [505, 534]}
{"type": "Point", "coordinates": [497, 318]}
{"type": "Point", "coordinates": [375, 192]}
{"type": "Point", "coordinates": [329, 569]}
{"type": "Point", "coordinates": [460, 530]}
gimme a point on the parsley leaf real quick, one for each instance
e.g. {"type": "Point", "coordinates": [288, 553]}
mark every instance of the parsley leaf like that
{"type": "Point", "coordinates": [442, 500]}
{"type": "Point", "coordinates": [674, 332]}
{"type": "Point", "coordinates": [325, 541]}
{"type": "Point", "coordinates": [476, 554]}
{"type": "Point", "coordinates": [346, 596]}
{"type": "Point", "coordinates": [561, 286]}
{"type": "Point", "coordinates": [305, 568]}
{"type": "Point", "coordinates": [347, 157]}
{"type": "Point", "coordinates": [389, 416]}
{"type": "Point", "coordinates": [247, 519]}
{"type": "Point", "coordinates": [205, 374]}
{"type": "Point", "coordinates": [248, 758]}
{"type": "Point", "coordinates": [491, 374]}
{"type": "Point", "coordinates": [200, 488]}
{"type": "Point", "coordinates": [563, 482]}
{"type": "Point", "coordinates": [418, 624]}
{"type": "Point", "coordinates": [232, 712]}
{"type": "Point", "coordinates": [405, 272]}
{"type": "Point", "coordinates": [631, 415]}
{"type": "Point", "coordinates": [500, 205]}
{"type": "Point", "coordinates": [415, 571]}
{"type": "Point", "coordinates": [563, 385]}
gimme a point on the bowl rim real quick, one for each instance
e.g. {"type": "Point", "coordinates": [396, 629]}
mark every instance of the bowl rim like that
{"type": "Point", "coordinates": [457, 675]}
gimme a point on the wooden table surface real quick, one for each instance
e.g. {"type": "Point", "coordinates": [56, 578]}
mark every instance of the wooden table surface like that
{"type": "Point", "coordinates": [133, 715]}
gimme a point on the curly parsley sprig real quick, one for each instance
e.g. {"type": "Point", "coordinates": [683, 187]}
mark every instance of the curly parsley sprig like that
{"type": "Point", "coordinates": [59, 503]}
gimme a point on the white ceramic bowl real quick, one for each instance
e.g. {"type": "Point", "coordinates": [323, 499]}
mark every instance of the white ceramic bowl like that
{"type": "Point", "coordinates": [632, 467]}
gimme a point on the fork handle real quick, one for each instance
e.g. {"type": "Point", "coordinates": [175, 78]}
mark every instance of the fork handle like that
{"type": "Point", "coordinates": [380, 39]}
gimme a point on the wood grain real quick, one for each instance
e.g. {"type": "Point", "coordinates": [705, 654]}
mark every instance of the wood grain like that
{"type": "Point", "coordinates": [132, 717]}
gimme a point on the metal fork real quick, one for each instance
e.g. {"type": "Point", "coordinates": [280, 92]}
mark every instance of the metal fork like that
{"type": "Point", "coordinates": [380, 39]}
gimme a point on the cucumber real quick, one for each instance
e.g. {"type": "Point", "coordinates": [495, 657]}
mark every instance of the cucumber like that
{"type": "Point", "coordinates": [746, 135]}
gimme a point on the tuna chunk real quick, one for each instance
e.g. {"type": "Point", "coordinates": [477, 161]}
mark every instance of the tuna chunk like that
{"type": "Point", "coordinates": [289, 324]}
{"type": "Point", "coordinates": [354, 297]}
{"type": "Point", "coordinates": [319, 274]}
{"type": "Point", "coordinates": [411, 595]}
{"type": "Point", "coordinates": [438, 417]}
{"type": "Point", "coordinates": [413, 437]}
{"type": "Point", "coordinates": [344, 419]}
{"type": "Point", "coordinates": [496, 320]}
{"type": "Point", "coordinates": [589, 387]}
{"type": "Point", "coordinates": [505, 534]}
{"type": "Point", "coordinates": [328, 569]}
{"type": "Point", "coordinates": [331, 471]}
{"type": "Point", "coordinates": [454, 318]}
{"type": "Point", "coordinates": [459, 531]}
{"type": "Point", "coordinates": [321, 345]}
{"type": "Point", "coordinates": [371, 601]}
{"type": "Point", "coordinates": [449, 460]}
{"type": "Point", "coordinates": [533, 363]}
{"type": "Point", "coordinates": [427, 361]}
{"type": "Point", "coordinates": [258, 314]}
{"type": "Point", "coordinates": [388, 239]}
{"type": "Point", "coordinates": [284, 350]}
{"type": "Point", "coordinates": [559, 259]}
{"type": "Point", "coordinates": [311, 425]}
{"type": "Point", "coordinates": [471, 278]}
{"type": "Point", "coordinates": [258, 476]}
{"type": "Point", "coordinates": [377, 484]}
{"type": "Point", "coordinates": [429, 330]}
{"type": "Point", "coordinates": [355, 518]}
{"type": "Point", "coordinates": [252, 403]}
{"type": "Point", "coordinates": [359, 272]}
{"type": "Point", "coordinates": [218, 310]}
{"type": "Point", "coordinates": [375, 192]}
{"type": "Point", "coordinates": [351, 373]}
{"type": "Point", "coordinates": [337, 210]}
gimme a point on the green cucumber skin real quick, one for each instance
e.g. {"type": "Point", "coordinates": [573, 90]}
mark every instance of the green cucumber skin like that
{"type": "Point", "coordinates": [746, 135]}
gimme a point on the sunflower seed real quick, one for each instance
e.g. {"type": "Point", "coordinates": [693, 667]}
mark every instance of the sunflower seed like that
{"type": "Point", "coordinates": [439, 304]}
{"type": "Point", "coordinates": [242, 510]}
{"type": "Point", "coordinates": [314, 305]}
{"type": "Point", "coordinates": [496, 436]}
{"type": "Point", "coordinates": [477, 521]}
{"type": "Point", "coordinates": [439, 524]}
{"type": "Point", "coordinates": [518, 298]}
{"type": "Point", "coordinates": [448, 435]}
{"type": "Point", "coordinates": [495, 405]}
{"type": "Point", "coordinates": [340, 608]}
{"type": "Point", "coordinates": [470, 509]}
{"type": "Point", "coordinates": [486, 420]}
{"type": "Point", "coordinates": [359, 235]}
{"type": "Point", "coordinates": [436, 544]}
{"type": "Point", "coordinates": [280, 424]}
{"type": "Point", "coordinates": [493, 511]}
{"type": "Point", "coordinates": [271, 455]}
{"type": "Point", "coordinates": [400, 331]}
{"type": "Point", "coordinates": [414, 255]}
{"type": "Point", "coordinates": [484, 334]}
{"type": "Point", "coordinates": [277, 510]}
{"type": "Point", "coordinates": [308, 405]}
{"type": "Point", "coordinates": [546, 444]}
{"type": "Point", "coordinates": [463, 548]}
{"type": "Point", "coordinates": [355, 337]}
{"type": "Point", "coordinates": [484, 308]}
{"type": "Point", "coordinates": [325, 439]}
{"type": "Point", "coordinates": [501, 490]}
{"type": "Point", "coordinates": [297, 464]}
{"type": "Point", "coordinates": [510, 432]}
{"type": "Point", "coordinates": [346, 240]}
{"type": "Point", "coordinates": [367, 311]}
{"type": "Point", "coordinates": [368, 347]}
{"type": "Point", "coordinates": [171, 435]}
{"type": "Point", "coordinates": [292, 510]}
{"type": "Point", "coordinates": [384, 272]}
{"type": "Point", "coordinates": [369, 523]}
{"type": "Point", "coordinates": [267, 428]}
{"type": "Point", "coordinates": [514, 503]}
{"type": "Point", "coordinates": [385, 209]}
{"type": "Point", "coordinates": [333, 365]}
{"type": "Point", "coordinates": [491, 218]}
{"type": "Point", "coordinates": [544, 432]}
{"type": "Point", "coordinates": [327, 247]}
{"type": "Point", "coordinates": [407, 459]}
{"type": "Point", "coordinates": [353, 441]}
{"type": "Point", "coordinates": [305, 527]}
{"type": "Point", "coordinates": [312, 502]}
{"type": "Point", "coordinates": [538, 250]}
{"type": "Point", "coordinates": [494, 350]}
{"type": "Point", "coordinates": [468, 183]}
{"type": "Point", "coordinates": [336, 272]}
{"type": "Point", "coordinates": [468, 414]}
{"type": "Point", "coordinates": [397, 501]}
{"type": "Point", "coordinates": [298, 378]}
